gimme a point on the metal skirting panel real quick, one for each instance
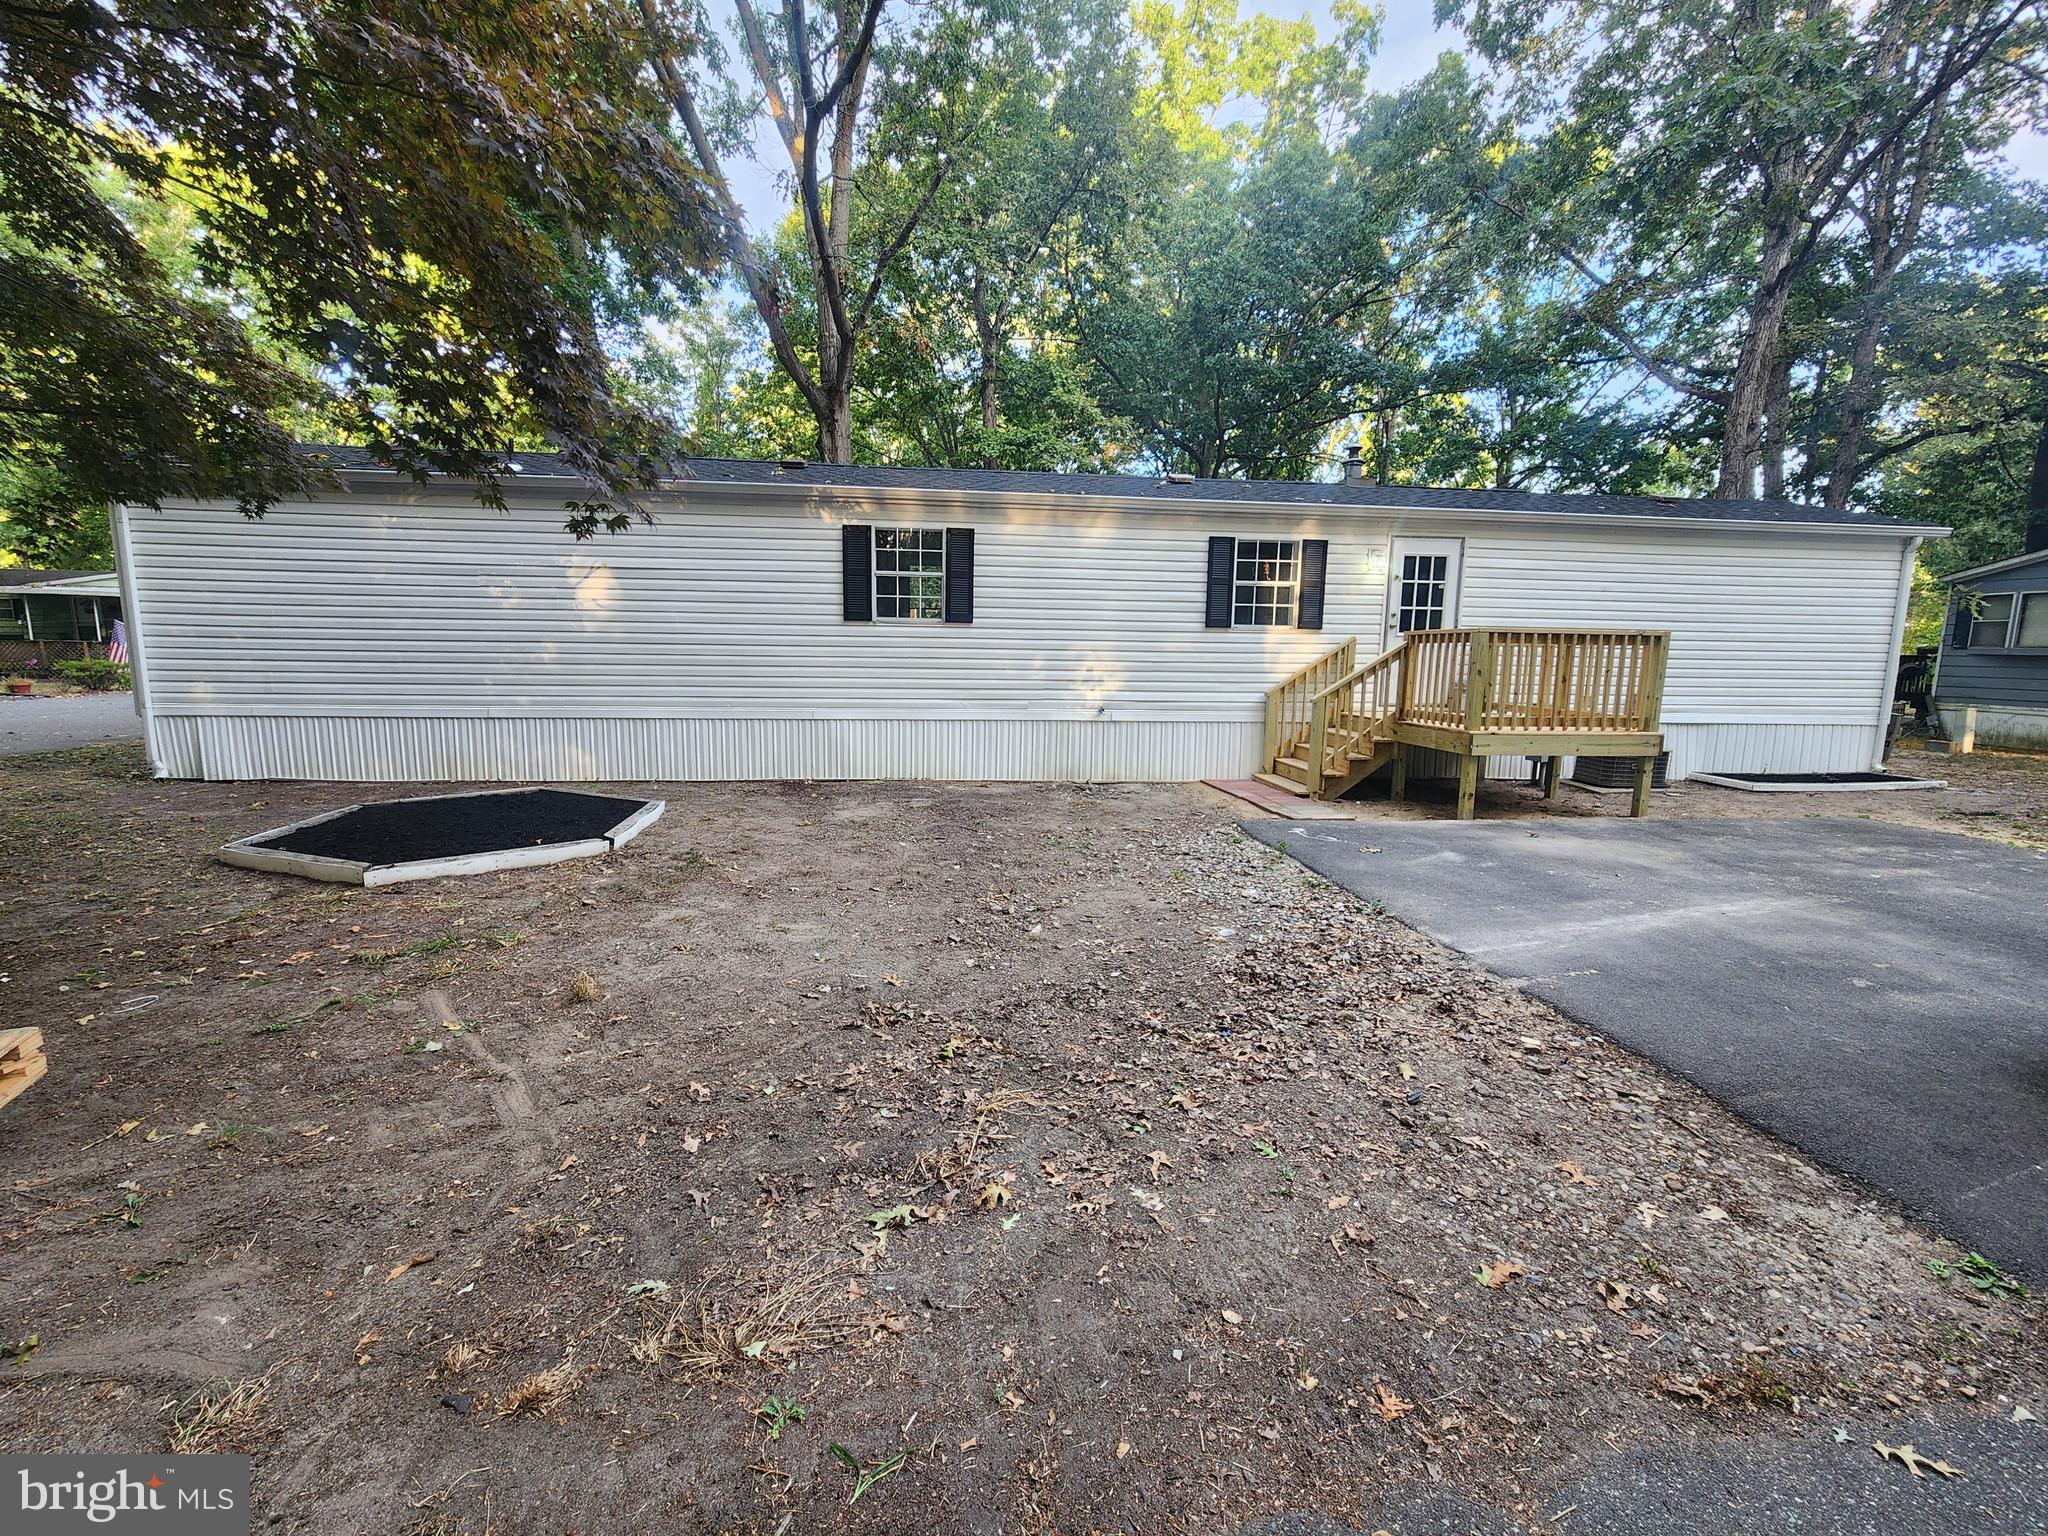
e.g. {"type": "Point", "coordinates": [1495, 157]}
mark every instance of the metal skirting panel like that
{"type": "Point", "coordinates": [385, 749]}
{"type": "Point", "coordinates": [1721, 747]}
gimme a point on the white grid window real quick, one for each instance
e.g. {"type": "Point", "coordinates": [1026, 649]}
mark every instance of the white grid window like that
{"type": "Point", "coordinates": [910, 573]}
{"type": "Point", "coordinates": [1425, 589]}
{"type": "Point", "coordinates": [1268, 582]}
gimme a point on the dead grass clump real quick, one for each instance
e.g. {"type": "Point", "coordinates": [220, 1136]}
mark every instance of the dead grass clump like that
{"type": "Point", "coordinates": [221, 1416]}
{"type": "Point", "coordinates": [711, 1331]}
{"type": "Point", "coordinates": [460, 1357]}
{"type": "Point", "coordinates": [584, 989]}
{"type": "Point", "coordinates": [544, 1389]}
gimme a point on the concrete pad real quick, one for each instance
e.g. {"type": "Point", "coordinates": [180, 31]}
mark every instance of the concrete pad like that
{"type": "Point", "coordinates": [1877, 995]}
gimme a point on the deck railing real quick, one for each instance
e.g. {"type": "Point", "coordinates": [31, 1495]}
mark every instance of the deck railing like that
{"type": "Point", "coordinates": [1536, 679]}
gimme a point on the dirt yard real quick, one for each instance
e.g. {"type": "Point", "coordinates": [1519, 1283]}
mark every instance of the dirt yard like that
{"type": "Point", "coordinates": [1067, 1161]}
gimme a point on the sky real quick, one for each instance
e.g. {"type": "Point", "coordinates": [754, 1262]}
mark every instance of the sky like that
{"type": "Point", "coordinates": [1409, 44]}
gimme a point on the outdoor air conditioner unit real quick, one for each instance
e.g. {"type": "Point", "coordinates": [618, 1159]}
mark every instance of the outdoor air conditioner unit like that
{"type": "Point", "coordinates": [1616, 772]}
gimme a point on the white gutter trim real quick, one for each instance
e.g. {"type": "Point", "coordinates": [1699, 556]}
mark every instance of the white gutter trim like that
{"type": "Point", "coordinates": [138, 669]}
{"type": "Point", "coordinates": [929, 498]}
{"type": "Point", "coordinates": [1904, 600]}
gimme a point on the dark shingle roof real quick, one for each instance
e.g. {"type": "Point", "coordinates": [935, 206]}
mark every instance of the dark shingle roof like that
{"type": "Point", "coordinates": [1248, 493]}
{"type": "Point", "coordinates": [22, 576]}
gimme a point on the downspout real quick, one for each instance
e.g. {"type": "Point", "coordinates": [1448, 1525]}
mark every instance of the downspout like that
{"type": "Point", "coordinates": [131, 610]}
{"type": "Point", "coordinates": [1891, 671]}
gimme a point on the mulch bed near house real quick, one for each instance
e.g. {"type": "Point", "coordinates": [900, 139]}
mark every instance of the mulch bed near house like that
{"type": "Point", "coordinates": [1107, 1169]}
{"type": "Point", "coordinates": [451, 826]}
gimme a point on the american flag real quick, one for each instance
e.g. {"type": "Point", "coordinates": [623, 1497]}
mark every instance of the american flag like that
{"type": "Point", "coordinates": [117, 643]}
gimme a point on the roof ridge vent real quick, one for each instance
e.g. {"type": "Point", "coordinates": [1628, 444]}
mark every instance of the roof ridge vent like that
{"type": "Point", "coordinates": [794, 463]}
{"type": "Point", "coordinates": [1178, 477]}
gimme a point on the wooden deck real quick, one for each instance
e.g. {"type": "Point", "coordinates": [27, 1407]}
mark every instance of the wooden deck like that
{"type": "Point", "coordinates": [1474, 693]}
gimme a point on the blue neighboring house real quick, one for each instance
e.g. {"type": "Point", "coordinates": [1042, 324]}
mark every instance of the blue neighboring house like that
{"type": "Point", "coordinates": [1991, 684]}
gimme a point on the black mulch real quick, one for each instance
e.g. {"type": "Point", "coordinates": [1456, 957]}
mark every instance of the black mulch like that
{"type": "Point", "coordinates": [1821, 778]}
{"type": "Point", "coordinates": [448, 826]}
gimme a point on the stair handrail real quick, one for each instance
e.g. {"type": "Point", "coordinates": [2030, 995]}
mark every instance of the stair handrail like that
{"type": "Point", "coordinates": [1287, 701]}
{"type": "Point", "coordinates": [1330, 710]}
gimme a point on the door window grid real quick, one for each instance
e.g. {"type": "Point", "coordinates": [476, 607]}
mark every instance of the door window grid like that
{"type": "Point", "coordinates": [1268, 582]}
{"type": "Point", "coordinates": [910, 573]}
{"type": "Point", "coordinates": [1425, 585]}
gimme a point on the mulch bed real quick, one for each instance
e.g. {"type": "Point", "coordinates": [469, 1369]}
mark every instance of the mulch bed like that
{"type": "Point", "coordinates": [449, 826]}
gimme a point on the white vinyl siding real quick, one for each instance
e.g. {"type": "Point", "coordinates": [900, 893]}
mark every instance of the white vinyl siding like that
{"type": "Point", "coordinates": [416, 635]}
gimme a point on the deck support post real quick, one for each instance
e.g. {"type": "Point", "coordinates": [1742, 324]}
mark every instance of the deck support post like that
{"type": "Point", "coordinates": [1553, 777]}
{"type": "Point", "coordinates": [1646, 771]}
{"type": "Point", "coordinates": [1468, 787]}
{"type": "Point", "coordinates": [1400, 786]}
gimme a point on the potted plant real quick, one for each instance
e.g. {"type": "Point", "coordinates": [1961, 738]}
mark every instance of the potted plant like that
{"type": "Point", "coordinates": [20, 685]}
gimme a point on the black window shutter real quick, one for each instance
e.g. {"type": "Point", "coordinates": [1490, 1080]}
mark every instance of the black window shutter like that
{"type": "Point", "coordinates": [959, 575]}
{"type": "Point", "coordinates": [1315, 565]}
{"type": "Point", "coordinates": [857, 571]}
{"type": "Point", "coordinates": [1222, 574]}
{"type": "Point", "coordinates": [1960, 636]}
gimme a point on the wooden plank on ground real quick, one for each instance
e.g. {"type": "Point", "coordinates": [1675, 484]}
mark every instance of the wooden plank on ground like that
{"type": "Point", "coordinates": [19, 1045]}
{"type": "Point", "coordinates": [14, 1084]}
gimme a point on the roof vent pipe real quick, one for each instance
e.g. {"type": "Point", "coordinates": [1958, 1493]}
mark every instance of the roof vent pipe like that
{"type": "Point", "coordinates": [1354, 464]}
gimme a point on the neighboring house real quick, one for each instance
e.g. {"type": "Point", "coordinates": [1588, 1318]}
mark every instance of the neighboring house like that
{"type": "Point", "coordinates": [802, 620]}
{"type": "Point", "coordinates": [48, 616]}
{"type": "Point", "coordinates": [1991, 683]}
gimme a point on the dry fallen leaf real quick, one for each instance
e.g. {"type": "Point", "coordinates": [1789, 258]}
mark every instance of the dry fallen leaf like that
{"type": "Point", "coordinates": [1232, 1318]}
{"type": "Point", "coordinates": [1350, 1232]}
{"type": "Point", "coordinates": [991, 1196]}
{"type": "Point", "coordinates": [1407, 1071]}
{"type": "Point", "coordinates": [401, 1268]}
{"type": "Point", "coordinates": [1913, 1461]}
{"type": "Point", "coordinates": [1391, 1405]}
{"type": "Point", "coordinates": [1123, 1449]}
{"type": "Point", "coordinates": [1494, 1276]}
{"type": "Point", "coordinates": [1619, 1298]}
{"type": "Point", "coordinates": [1574, 1174]}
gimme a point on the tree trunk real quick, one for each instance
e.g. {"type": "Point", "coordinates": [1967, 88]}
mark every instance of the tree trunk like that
{"type": "Point", "coordinates": [1777, 431]}
{"type": "Point", "coordinates": [1742, 431]}
{"type": "Point", "coordinates": [2037, 495]}
{"type": "Point", "coordinates": [987, 335]}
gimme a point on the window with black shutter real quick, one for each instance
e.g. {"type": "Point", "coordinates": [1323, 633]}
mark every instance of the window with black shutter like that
{"type": "Point", "coordinates": [916, 575]}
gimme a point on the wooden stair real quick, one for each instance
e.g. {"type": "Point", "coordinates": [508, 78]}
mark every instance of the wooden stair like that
{"type": "Point", "coordinates": [21, 1062]}
{"type": "Point", "coordinates": [1346, 765]}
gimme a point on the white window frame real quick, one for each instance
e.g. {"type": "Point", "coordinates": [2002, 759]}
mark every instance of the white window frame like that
{"type": "Point", "coordinates": [1983, 600]}
{"type": "Point", "coordinates": [2019, 610]}
{"type": "Point", "coordinates": [876, 573]}
{"type": "Point", "coordinates": [1283, 601]}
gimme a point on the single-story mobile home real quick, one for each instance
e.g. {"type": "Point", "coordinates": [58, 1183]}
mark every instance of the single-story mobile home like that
{"type": "Point", "coordinates": [1991, 681]}
{"type": "Point", "coordinates": [799, 620]}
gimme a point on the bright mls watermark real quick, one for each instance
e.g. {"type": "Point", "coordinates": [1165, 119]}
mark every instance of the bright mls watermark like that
{"type": "Point", "coordinates": [166, 1495]}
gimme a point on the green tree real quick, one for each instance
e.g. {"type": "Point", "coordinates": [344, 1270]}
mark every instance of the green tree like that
{"type": "Point", "coordinates": [1700, 161]}
{"type": "Point", "coordinates": [447, 209]}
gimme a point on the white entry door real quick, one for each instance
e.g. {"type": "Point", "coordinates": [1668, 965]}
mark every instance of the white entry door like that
{"type": "Point", "coordinates": [1422, 585]}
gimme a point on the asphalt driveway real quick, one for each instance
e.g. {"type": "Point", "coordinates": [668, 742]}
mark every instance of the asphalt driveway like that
{"type": "Point", "coordinates": [66, 720]}
{"type": "Point", "coordinates": [1876, 995]}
